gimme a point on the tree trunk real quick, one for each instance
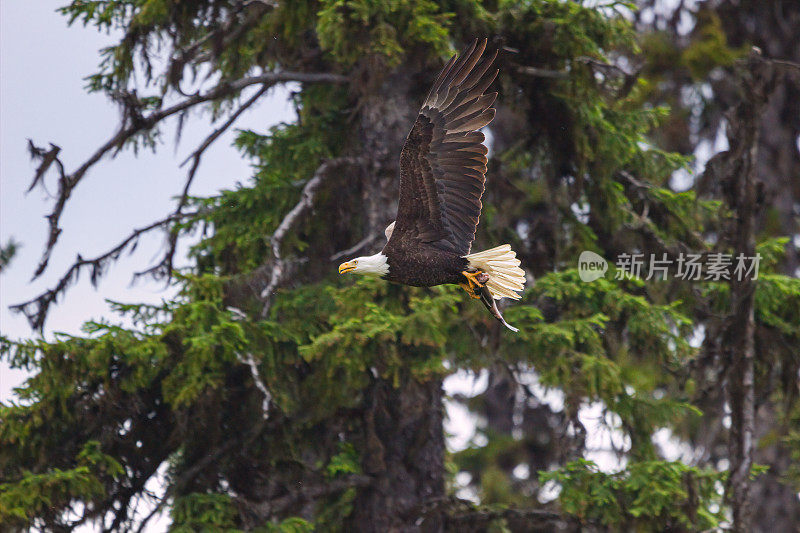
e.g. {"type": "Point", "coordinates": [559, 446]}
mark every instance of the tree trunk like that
{"type": "Point", "coordinates": [405, 455]}
{"type": "Point", "coordinates": [403, 425]}
{"type": "Point", "coordinates": [741, 160]}
{"type": "Point", "coordinates": [773, 26]}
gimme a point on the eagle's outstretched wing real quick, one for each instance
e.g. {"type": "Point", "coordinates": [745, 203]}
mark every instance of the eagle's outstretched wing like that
{"type": "Point", "coordinates": [443, 163]}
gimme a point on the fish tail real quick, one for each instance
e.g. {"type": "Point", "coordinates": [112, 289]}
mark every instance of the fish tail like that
{"type": "Point", "coordinates": [491, 304]}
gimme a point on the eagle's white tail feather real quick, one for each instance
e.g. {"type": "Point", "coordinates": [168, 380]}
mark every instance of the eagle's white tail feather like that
{"type": "Point", "coordinates": [506, 278]}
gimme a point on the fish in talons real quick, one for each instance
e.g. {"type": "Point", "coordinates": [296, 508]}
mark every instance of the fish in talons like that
{"type": "Point", "coordinates": [476, 288]}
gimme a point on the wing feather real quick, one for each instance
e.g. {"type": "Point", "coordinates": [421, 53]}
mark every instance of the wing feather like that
{"type": "Point", "coordinates": [443, 163]}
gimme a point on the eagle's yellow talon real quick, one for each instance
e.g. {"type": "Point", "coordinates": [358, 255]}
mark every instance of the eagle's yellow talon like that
{"type": "Point", "coordinates": [474, 284]}
{"type": "Point", "coordinates": [469, 290]}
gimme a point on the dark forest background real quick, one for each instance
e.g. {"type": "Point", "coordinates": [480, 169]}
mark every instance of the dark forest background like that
{"type": "Point", "coordinates": [271, 395]}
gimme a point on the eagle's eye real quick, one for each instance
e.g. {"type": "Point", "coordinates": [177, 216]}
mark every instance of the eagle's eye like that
{"type": "Point", "coordinates": [355, 262]}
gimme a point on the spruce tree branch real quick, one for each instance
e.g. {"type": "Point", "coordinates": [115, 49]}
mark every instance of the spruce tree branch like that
{"type": "Point", "coordinates": [279, 265]}
{"type": "Point", "coordinates": [35, 310]}
{"type": "Point", "coordinates": [607, 69]}
{"type": "Point", "coordinates": [197, 154]}
{"type": "Point", "coordinates": [188, 475]}
{"type": "Point", "coordinates": [137, 123]}
{"type": "Point", "coordinates": [157, 509]}
{"type": "Point", "coordinates": [223, 36]}
{"type": "Point", "coordinates": [459, 514]}
{"type": "Point", "coordinates": [529, 515]}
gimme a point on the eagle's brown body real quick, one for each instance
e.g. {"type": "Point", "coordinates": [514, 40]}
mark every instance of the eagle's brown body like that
{"type": "Point", "coordinates": [422, 265]}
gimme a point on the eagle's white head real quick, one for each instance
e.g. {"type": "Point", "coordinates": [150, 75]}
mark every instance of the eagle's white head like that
{"type": "Point", "coordinates": [371, 265]}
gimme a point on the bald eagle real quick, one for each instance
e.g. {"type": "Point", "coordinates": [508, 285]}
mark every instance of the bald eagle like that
{"type": "Point", "coordinates": [442, 175]}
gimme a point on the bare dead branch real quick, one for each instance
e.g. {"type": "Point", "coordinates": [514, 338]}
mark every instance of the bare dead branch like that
{"type": "Point", "coordinates": [543, 73]}
{"type": "Point", "coordinates": [46, 158]}
{"type": "Point", "coordinates": [279, 266]}
{"type": "Point", "coordinates": [164, 268]}
{"type": "Point", "coordinates": [35, 310]}
{"type": "Point", "coordinates": [157, 509]}
{"type": "Point", "coordinates": [266, 509]}
{"type": "Point", "coordinates": [136, 124]}
{"type": "Point", "coordinates": [628, 78]}
{"type": "Point", "coordinates": [791, 65]}
{"type": "Point", "coordinates": [305, 203]}
{"type": "Point", "coordinates": [363, 243]}
{"type": "Point", "coordinates": [270, 3]}
{"type": "Point", "coordinates": [222, 129]}
{"type": "Point", "coordinates": [603, 66]}
{"type": "Point", "coordinates": [256, 375]}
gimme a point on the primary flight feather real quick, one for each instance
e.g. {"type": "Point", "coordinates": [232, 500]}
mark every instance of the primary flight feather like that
{"type": "Point", "coordinates": [442, 175]}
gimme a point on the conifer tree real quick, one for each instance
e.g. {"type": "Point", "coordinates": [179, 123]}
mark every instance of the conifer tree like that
{"type": "Point", "coordinates": [688, 48]}
{"type": "Point", "coordinates": [276, 397]}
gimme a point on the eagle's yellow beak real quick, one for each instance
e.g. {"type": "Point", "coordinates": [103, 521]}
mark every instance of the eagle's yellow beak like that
{"type": "Point", "coordinates": [349, 266]}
